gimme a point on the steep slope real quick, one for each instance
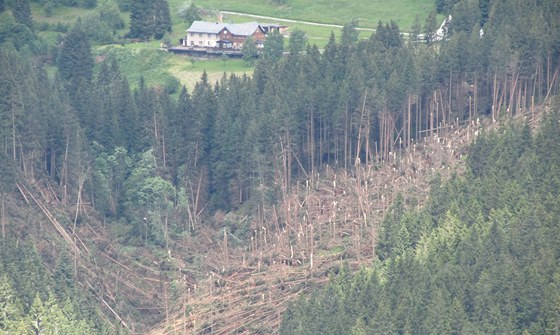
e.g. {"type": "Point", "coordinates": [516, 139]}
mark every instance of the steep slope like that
{"type": "Point", "coordinates": [328, 219]}
{"type": "Point", "coordinates": [481, 257]}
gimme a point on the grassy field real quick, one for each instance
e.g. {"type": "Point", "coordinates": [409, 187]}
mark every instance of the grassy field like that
{"type": "Point", "coordinates": [367, 12]}
{"type": "Point", "coordinates": [189, 73]}
{"type": "Point", "coordinates": [156, 66]}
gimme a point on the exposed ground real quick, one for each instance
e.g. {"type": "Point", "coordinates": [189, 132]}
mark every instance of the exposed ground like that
{"type": "Point", "coordinates": [330, 218]}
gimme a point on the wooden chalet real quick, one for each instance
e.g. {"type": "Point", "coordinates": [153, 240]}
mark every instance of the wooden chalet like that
{"type": "Point", "coordinates": [224, 38]}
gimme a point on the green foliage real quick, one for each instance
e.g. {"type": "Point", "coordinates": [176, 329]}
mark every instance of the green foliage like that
{"type": "Point", "coordinates": [141, 23]}
{"type": "Point", "coordinates": [445, 6]}
{"type": "Point", "coordinates": [150, 199]}
{"type": "Point", "coordinates": [14, 33]}
{"type": "Point", "coordinates": [466, 17]}
{"type": "Point", "coordinates": [22, 13]}
{"type": "Point", "coordinates": [171, 84]}
{"type": "Point", "coordinates": [484, 262]}
{"type": "Point", "coordinates": [124, 5]}
{"type": "Point", "coordinates": [249, 51]}
{"type": "Point", "coordinates": [189, 12]}
{"type": "Point", "coordinates": [298, 41]}
{"type": "Point", "coordinates": [96, 30]}
{"type": "Point", "coordinates": [109, 13]}
{"type": "Point", "coordinates": [162, 19]}
{"type": "Point", "coordinates": [273, 48]}
{"type": "Point", "coordinates": [75, 62]}
{"type": "Point", "coordinates": [479, 259]}
{"type": "Point", "coordinates": [430, 26]}
{"type": "Point", "coordinates": [149, 18]}
{"type": "Point", "coordinates": [27, 302]}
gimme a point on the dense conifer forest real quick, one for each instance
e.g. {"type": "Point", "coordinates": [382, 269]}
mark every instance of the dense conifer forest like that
{"type": "Point", "coordinates": [148, 168]}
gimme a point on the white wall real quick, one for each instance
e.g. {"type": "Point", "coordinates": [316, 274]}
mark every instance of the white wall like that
{"type": "Point", "coordinates": [202, 39]}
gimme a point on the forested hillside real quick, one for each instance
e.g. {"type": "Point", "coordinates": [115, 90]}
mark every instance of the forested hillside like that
{"type": "Point", "coordinates": [138, 187]}
{"type": "Point", "coordinates": [480, 257]}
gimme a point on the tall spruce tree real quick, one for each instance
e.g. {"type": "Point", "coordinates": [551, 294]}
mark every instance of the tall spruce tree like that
{"type": "Point", "coordinates": [75, 65]}
{"type": "Point", "coordinates": [249, 51]}
{"type": "Point", "coordinates": [273, 47]}
{"type": "Point", "coordinates": [162, 19]}
{"type": "Point", "coordinates": [149, 19]}
{"type": "Point", "coordinates": [22, 13]}
{"type": "Point", "coordinates": [141, 19]}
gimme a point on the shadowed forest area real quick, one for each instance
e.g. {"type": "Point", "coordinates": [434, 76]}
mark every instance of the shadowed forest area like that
{"type": "Point", "coordinates": [121, 206]}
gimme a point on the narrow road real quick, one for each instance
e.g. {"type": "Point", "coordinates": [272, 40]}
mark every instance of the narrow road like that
{"type": "Point", "coordinates": [292, 21]}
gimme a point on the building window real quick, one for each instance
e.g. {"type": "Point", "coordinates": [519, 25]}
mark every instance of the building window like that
{"type": "Point", "coordinates": [192, 42]}
{"type": "Point", "coordinates": [192, 34]}
{"type": "Point", "coordinates": [208, 43]}
{"type": "Point", "coordinates": [200, 35]}
{"type": "Point", "coordinates": [200, 42]}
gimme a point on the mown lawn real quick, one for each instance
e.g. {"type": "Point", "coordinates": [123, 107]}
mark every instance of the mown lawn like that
{"type": "Point", "coordinates": [367, 12]}
{"type": "Point", "coordinates": [156, 66]}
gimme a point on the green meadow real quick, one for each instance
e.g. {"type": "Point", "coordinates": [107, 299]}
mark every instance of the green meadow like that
{"type": "Point", "coordinates": [366, 12]}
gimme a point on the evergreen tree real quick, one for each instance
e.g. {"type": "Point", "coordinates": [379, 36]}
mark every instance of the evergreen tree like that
{"type": "Point", "coordinates": [141, 19]}
{"type": "Point", "coordinates": [249, 51]}
{"type": "Point", "coordinates": [37, 315]}
{"type": "Point", "coordinates": [22, 13]}
{"type": "Point", "coordinates": [298, 40]}
{"type": "Point", "coordinates": [464, 270]}
{"type": "Point", "coordinates": [89, 3]}
{"type": "Point", "coordinates": [75, 64]}
{"type": "Point", "coordinates": [273, 47]}
{"type": "Point", "coordinates": [416, 29]}
{"type": "Point", "coordinates": [10, 307]}
{"type": "Point", "coordinates": [162, 19]}
{"type": "Point", "coordinates": [430, 27]}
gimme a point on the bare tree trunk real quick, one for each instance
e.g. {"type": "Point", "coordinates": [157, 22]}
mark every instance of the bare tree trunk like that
{"type": "Point", "coordinates": [552, 84]}
{"type": "Point", "coordinates": [79, 200]}
{"type": "Point", "coordinates": [13, 130]}
{"type": "Point", "coordinates": [434, 111]}
{"type": "Point", "coordinates": [64, 177]}
{"type": "Point", "coordinates": [408, 121]}
{"type": "Point", "coordinates": [3, 217]}
{"type": "Point", "coordinates": [511, 107]}
{"type": "Point", "coordinates": [360, 127]}
{"type": "Point", "coordinates": [475, 93]}
{"type": "Point", "coordinates": [495, 96]}
{"type": "Point", "coordinates": [163, 151]}
{"type": "Point", "coordinates": [418, 113]}
{"type": "Point", "coordinates": [346, 153]}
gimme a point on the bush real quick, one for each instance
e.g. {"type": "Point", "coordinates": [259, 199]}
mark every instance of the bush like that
{"type": "Point", "coordinates": [171, 84]}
